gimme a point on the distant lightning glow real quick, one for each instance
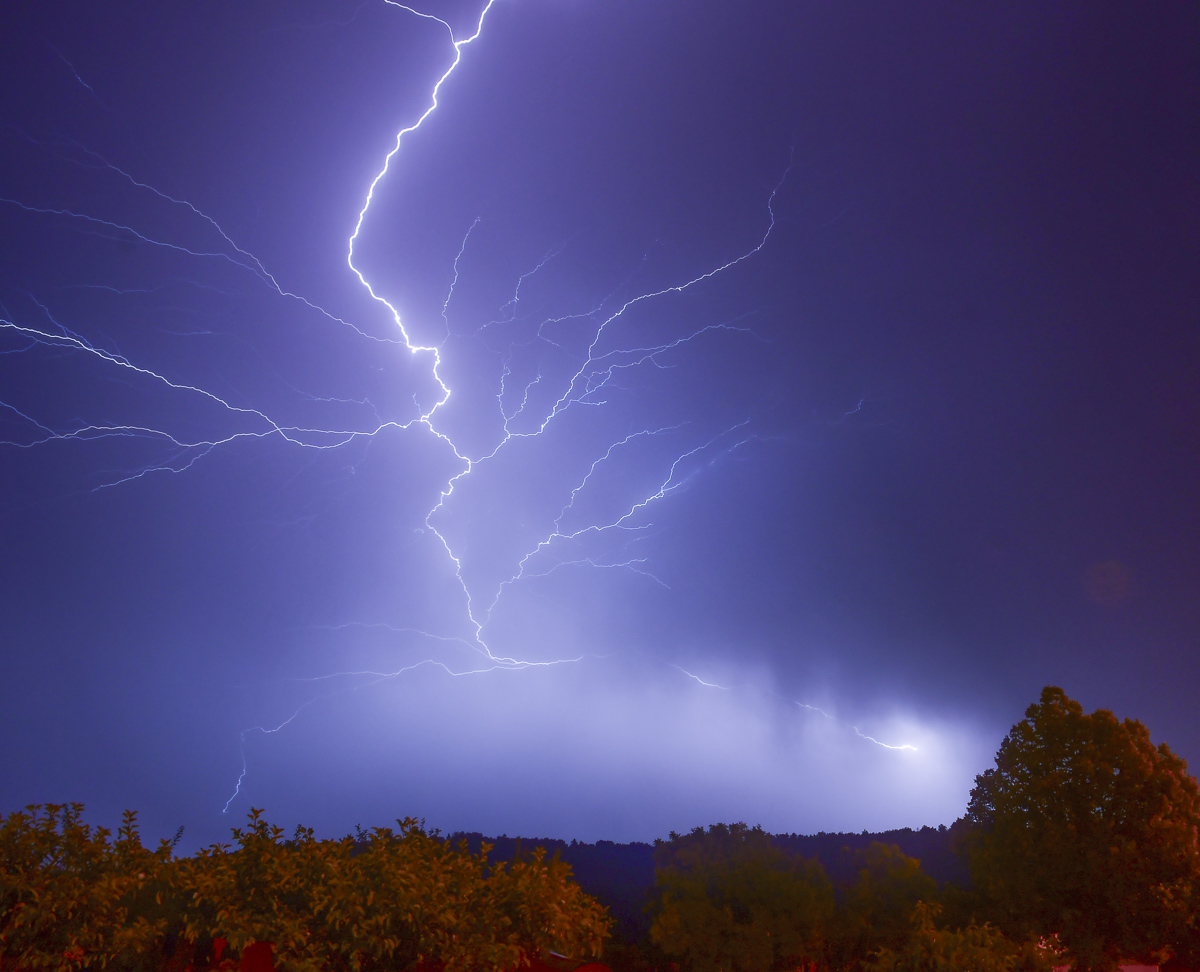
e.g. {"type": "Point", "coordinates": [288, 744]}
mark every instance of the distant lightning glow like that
{"type": "Point", "coordinates": [802, 705]}
{"type": "Point", "coordinates": [857, 731]}
{"type": "Point", "coordinates": [598, 367]}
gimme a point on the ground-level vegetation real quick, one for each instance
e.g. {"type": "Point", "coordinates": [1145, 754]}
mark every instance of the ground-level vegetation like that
{"type": "Point", "coordinates": [1081, 848]}
{"type": "Point", "coordinates": [73, 899]}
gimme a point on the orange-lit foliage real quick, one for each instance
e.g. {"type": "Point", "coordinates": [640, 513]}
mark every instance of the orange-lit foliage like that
{"type": "Point", "coordinates": [67, 892]}
{"type": "Point", "coordinates": [72, 899]}
{"type": "Point", "coordinates": [1087, 830]}
{"type": "Point", "coordinates": [976, 948]}
{"type": "Point", "coordinates": [730, 900]}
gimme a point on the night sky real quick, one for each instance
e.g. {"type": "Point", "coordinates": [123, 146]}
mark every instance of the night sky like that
{"type": "Point", "coordinates": [822, 382]}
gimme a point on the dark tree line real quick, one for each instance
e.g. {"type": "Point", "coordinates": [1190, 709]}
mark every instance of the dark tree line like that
{"type": "Point", "coordinates": [1080, 847]}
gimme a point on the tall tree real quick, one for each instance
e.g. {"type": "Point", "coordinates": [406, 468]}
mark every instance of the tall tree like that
{"type": "Point", "coordinates": [875, 911]}
{"type": "Point", "coordinates": [731, 901]}
{"type": "Point", "coordinates": [1087, 830]}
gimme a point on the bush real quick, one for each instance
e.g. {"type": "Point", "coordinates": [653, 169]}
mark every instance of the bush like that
{"type": "Point", "coordinates": [730, 900]}
{"type": "Point", "coordinates": [72, 900]}
{"type": "Point", "coordinates": [67, 893]}
{"type": "Point", "coordinates": [976, 948]}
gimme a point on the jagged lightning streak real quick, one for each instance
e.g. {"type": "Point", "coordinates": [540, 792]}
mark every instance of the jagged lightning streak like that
{"type": "Point", "coordinates": [454, 280]}
{"type": "Point", "coordinates": [863, 735]}
{"type": "Point", "coordinates": [192, 449]}
{"type": "Point", "coordinates": [458, 45]}
{"type": "Point", "coordinates": [76, 75]}
{"type": "Point", "coordinates": [369, 678]}
{"type": "Point", "coordinates": [243, 258]}
{"type": "Point", "coordinates": [589, 373]}
{"type": "Point", "coordinates": [723, 688]}
{"type": "Point", "coordinates": [670, 484]}
{"type": "Point", "coordinates": [596, 370]}
{"type": "Point", "coordinates": [858, 732]}
{"type": "Point", "coordinates": [601, 363]}
{"type": "Point", "coordinates": [803, 705]}
{"type": "Point", "coordinates": [426, 418]}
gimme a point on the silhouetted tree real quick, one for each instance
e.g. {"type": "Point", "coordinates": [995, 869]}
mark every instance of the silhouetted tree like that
{"type": "Point", "coordinates": [1087, 830]}
{"type": "Point", "coordinates": [875, 911]}
{"type": "Point", "coordinates": [976, 948]}
{"type": "Point", "coordinates": [730, 901]}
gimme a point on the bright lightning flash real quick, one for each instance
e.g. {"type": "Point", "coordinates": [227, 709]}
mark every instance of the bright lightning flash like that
{"type": "Point", "coordinates": [595, 371]}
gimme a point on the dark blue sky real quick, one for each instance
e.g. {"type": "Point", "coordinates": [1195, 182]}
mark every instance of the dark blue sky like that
{"type": "Point", "coordinates": [929, 441]}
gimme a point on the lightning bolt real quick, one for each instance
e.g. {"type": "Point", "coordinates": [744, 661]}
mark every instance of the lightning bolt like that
{"type": "Point", "coordinates": [802, 705]}
{"type": "Point", "coordinates": [602, 361]}
{"type": "Point", "coordinates": [863, 735]}
{"type": "Point", "coordinates": [75, 74]}
{"type": "Point", "coordinates": [723, 688]}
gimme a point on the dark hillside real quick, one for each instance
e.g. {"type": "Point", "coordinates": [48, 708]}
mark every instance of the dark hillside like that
{"type": "Point", "coordinates": [621, 875]}
{"type": "Point", "coordinates": [932, 846]}
{"type": "Point", "coordinates": [617, 875]}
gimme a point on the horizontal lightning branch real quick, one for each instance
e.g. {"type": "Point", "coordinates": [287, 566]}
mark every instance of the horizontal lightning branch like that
{"type": "Point", "coordinates": [584, 383]}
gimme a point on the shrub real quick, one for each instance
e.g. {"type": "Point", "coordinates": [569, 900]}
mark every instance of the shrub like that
{"type": "Point", "coordinates": [73, 900]}
{"type": "Point", "coordinates": [976, 948]}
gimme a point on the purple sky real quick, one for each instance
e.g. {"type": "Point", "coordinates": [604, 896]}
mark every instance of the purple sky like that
{"type": "Point", "coordinates": [817, 381]}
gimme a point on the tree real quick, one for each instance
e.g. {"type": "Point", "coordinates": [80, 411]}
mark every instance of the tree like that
{"type": "Point", "coordinates": [730, 901]}
{"type": "Point", "coordinates": [875, 911]}
{"type": "Point", "coordinates": [976, 948]}
{"type": "Point", "coordinates": [71, 900]}
{"type": "Point", "coordinates": [1087, 830]}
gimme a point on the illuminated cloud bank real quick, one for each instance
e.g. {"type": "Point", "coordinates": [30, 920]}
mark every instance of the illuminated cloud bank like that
{"type": "Point", "coordinates": [428, 411]}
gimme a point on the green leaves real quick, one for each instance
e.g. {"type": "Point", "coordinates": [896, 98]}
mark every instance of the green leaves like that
{"type": "Point", "coordinates": [72, 899]}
